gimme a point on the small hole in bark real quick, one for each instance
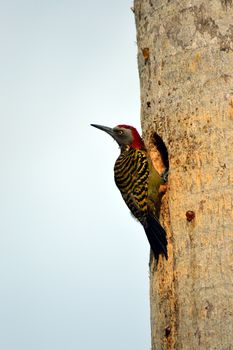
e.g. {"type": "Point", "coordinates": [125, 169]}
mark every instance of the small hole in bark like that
{"type": "Point", "coordinates": [167, 332]}
{"type": "Point", "coordinates": [146, 54]}
{"type": "Point", "coordinates": [190, 215]}
{"type": "Point", "coordinates": [162, 149]}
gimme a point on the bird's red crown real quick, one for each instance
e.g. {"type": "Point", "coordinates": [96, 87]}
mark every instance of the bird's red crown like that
{"type": "Point", "coordinates": [137, 140]}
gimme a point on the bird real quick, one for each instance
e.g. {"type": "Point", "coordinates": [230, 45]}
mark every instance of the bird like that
{"type": "Point", "coordinates": [139, 183]}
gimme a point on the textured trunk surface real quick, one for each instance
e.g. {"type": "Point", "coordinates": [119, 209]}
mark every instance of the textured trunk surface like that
{"type": "Point", "coordinates": [185, 57]}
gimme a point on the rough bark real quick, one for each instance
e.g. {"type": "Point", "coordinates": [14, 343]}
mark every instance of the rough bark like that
{"type": "Point", "coordinates": [185, 58]}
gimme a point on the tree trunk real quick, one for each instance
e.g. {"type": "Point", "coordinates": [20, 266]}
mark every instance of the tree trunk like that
{"type": "Point", "coordinates": [185, 58]}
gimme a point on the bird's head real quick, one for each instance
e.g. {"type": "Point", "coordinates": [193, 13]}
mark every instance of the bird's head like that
{"type": "Point", "coordinates": [124, 135]}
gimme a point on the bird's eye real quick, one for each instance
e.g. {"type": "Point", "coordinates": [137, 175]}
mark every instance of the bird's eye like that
{"type": "Point", "coordinates": [120, 132]}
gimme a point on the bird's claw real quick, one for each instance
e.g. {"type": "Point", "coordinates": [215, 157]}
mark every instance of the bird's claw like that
{"type": "Point", "coordinates": [164, 175]}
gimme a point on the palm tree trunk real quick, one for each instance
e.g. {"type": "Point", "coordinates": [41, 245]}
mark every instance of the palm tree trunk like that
{"type": "Point", "coordinates": [185, 59]}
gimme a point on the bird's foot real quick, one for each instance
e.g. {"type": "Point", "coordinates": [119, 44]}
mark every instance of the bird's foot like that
{"type": "Point", "coordinates": [164, 175]}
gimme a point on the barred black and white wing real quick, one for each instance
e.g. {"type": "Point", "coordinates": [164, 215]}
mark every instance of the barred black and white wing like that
{"type": "Point", "coordinates": [132, 177]}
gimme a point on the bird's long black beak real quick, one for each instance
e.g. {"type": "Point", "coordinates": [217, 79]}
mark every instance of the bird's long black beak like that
{"type": "Point", "coordinates": [104, 128]}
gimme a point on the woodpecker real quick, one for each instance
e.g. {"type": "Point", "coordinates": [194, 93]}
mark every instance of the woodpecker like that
{"type": "Point", "coordinates": [139, 183]}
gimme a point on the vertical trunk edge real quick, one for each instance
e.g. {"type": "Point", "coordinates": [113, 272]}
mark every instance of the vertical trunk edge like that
{"type": "Point", "coordinates": [185, 60]}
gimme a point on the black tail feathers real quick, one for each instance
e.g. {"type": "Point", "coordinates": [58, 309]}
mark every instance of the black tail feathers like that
{"type": "Point", "coordinates": [156, 236]}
